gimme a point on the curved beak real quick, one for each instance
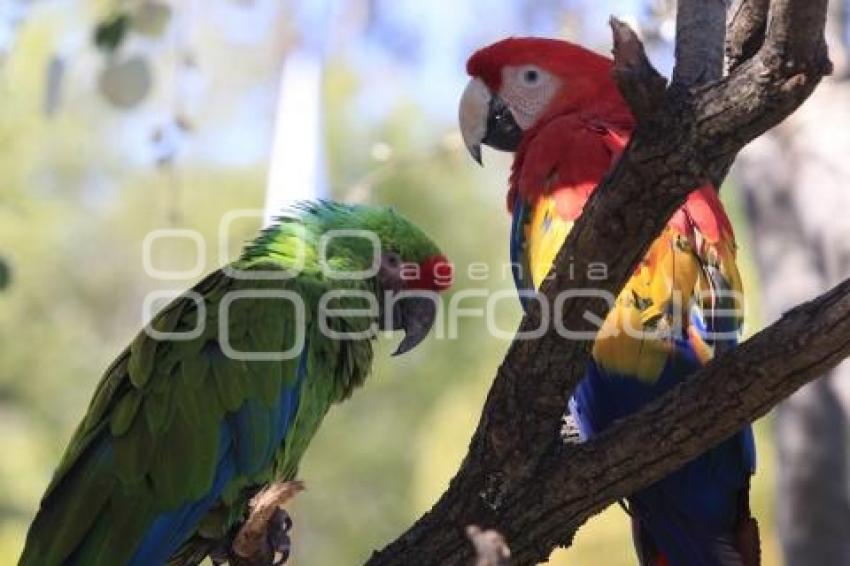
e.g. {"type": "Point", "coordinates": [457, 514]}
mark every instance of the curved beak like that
{"type": "Point", "coordinates": [472, 116]}
{"type": "Point", "coordinates": [415, 315]}
{"type": "Point", "coordinates": [486, 119]}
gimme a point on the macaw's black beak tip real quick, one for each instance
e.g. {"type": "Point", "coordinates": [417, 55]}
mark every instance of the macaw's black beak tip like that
{"type": "Point", "coordinates": [414, 315]}
{"type": "Point", "coordinates": [475, 152]}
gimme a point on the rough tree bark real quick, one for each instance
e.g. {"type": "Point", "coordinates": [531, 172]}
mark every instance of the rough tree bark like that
{"type": "Point", "coordinates": [701, 34]}
{"type": "Point", "coordinates": [745, 35]}
{"type": "Point", "coordinates": [516, 477]}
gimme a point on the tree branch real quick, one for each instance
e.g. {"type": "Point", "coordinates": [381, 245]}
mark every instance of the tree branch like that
{"type": "Point", "coordinates": [700, 36]}
{"type": "Point", "coordinates": [641, 84]}
{"type": "Point", "coordinates": [512, 476]}
{"type": "Point", "coordinates": [716, 403]}
{"type": "Point", "coordinates": [778, 57]}
{"type": "Point", "coordinates": [745, 31]}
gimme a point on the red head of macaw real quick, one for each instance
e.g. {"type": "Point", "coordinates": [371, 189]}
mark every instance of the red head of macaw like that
{"type": "Point", "coordinates": [555, 105]}
{"type": "Point", "coordinates": [520, 86]}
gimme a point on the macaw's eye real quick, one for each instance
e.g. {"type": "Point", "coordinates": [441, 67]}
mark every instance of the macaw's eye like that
{"type": "Point", "coordinates": [530, 76]}
{"type": "Point", "coordinates": [391, 260]}
{"type": "Point", "coordinates": [391, 274]}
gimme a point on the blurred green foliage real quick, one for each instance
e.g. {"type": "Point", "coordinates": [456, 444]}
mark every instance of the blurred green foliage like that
{"type": "Point", "coordinates": [382, 458]}
{"type": "Point", "coordinates": [109, 34]}
{"type": "Point", "coordinates": [5, 274]}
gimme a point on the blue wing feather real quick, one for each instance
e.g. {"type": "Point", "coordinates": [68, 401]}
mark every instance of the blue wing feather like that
{"type": "Point", "coordinates": [691, 512]}
{"type": "Point", "coordinates": [238, 455]}
{"type": "Point", "coordinates": [171, 529]}
{"type": "Point", "coordinates": [519, 258]}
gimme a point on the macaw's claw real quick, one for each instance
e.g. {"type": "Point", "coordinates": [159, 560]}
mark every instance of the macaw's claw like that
{"type": "Point", "coordinates": [263, 539]}
{"type": "Point", "coordinates": [279, 542]}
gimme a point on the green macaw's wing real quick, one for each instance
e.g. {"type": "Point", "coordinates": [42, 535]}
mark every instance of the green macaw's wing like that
{"type": "Point", "coordinates": [150, 441]}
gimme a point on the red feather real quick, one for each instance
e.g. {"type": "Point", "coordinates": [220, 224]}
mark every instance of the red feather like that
{"type": "Point", "coordinates": [559, 57]}
{"type": "Point", "coordinates": [433, 274]}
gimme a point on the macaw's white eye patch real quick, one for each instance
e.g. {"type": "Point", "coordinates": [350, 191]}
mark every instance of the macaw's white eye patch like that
{"type": "Point", "coordinates": [528, 90]}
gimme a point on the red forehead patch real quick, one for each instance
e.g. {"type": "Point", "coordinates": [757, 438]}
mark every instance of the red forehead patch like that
{"type": "Point", "coordinates": [559, 57]}
{"type": "Point", "coordinates": [433, 274]}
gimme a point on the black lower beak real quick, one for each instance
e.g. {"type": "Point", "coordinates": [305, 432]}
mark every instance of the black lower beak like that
{"type": "Point", "coordinates": [503, 133]}
{"type": "Point", "coordinates": [415, 315]}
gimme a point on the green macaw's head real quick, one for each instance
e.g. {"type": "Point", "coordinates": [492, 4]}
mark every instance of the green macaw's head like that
{"type": "Point", "coordinates": [359, 247]}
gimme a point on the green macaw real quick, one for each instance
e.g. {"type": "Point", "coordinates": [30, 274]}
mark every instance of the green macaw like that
{"type": "Point", "coordinates": [185, 427]}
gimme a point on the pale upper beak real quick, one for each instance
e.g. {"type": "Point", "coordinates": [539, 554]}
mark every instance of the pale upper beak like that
{"type": "Point", "coordinates": [486, 119]}
{"type": "Point", "coordinates": [474, 110]}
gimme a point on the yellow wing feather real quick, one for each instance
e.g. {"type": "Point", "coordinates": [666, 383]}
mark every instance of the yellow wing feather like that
{"type": "Point", "coordinates": [654, 307]}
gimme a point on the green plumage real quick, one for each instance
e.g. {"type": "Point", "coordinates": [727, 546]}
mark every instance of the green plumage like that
{"type": "Point", "coordinates": [151, 439]}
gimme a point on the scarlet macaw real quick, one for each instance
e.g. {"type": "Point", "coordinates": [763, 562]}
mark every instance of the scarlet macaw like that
{"type": "Point", "coordinates": [184, 428]}
{"type": "Point", "coordinates": [556, 106]}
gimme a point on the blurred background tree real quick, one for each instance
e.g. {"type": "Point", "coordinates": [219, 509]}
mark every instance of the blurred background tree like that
{"type": "Point", "coordinates": [122, 117]}
{"type": "Point", "coordinates": [794, 180]}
